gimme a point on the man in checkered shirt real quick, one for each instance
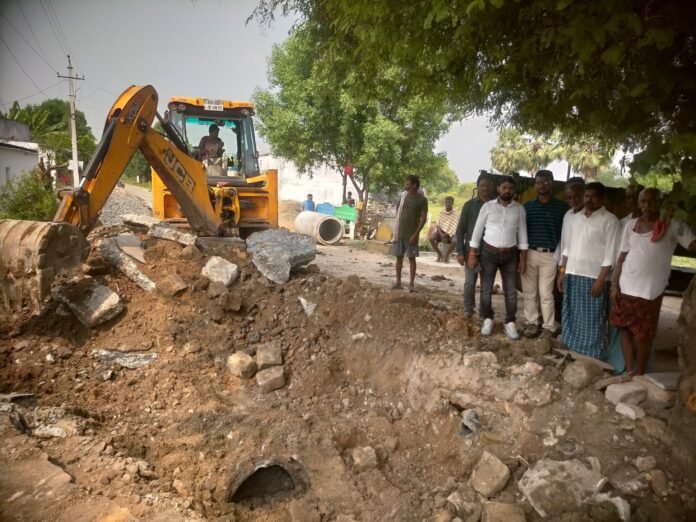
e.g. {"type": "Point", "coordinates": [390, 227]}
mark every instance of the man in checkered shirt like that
{"type": "Point", "coordinates": [444, 229]}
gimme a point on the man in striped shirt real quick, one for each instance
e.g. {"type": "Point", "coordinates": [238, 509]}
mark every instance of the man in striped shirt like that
{"type": "Point", "coordinates": [544, 226]}
{"type": "Point", "coordinates": [443, 230]}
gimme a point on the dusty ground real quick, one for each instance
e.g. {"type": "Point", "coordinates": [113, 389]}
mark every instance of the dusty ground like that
{"type": "Point", "coordinates": [174, 439]}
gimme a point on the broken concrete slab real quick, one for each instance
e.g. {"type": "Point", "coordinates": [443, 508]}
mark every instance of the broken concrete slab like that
{"type": "Point", "coordinates": [220, 270]}
{"type": "Point", "coordinates": [630, 392]}
{"type": "Point", "coordinates": [657, 396]}
{"type": "Point", "coordinates": [224, 243]}
{"type": "Point", "coordinates": [241, 365]}
{"type": "Point", "coordinates": [542, 483]}
{"type": "Point", "coordinates": [172, 285]}
{"type": "Point", "coordinates": [582, 373]}
{"type": "Point", "coordinates": [111, 252]}
{"type": "Point", "coordinates": [91, 303]}
{"type": "Point", "coordinates": [124, 359]}
{"type": "Point", "coordinates": [131, 246]}
{"type": "Point", "coordinates": [665, 380]}
{"type": "Point", "coordinates": [277, 252]}
{"type": "Point", "coordinates": [139, 220]}
{"type": "Point", "coordinates": [615, 379]}
{"type": "Point", "coordinates": [632, 411]}
{"type": "Point", "coordinates": [271, 379]}
{"type": "Point", "coordinates": [499, 512]}
{"type": "Point", "coordinates": [490, 475]}
{"type": "Point", "coordinates": [307, 306]}
{"type": "Point", "coordinates": [364, 458]}
{"type": "Point", "coordinates": [269, 354]}
{"type": "Point", "coordinates": [162, 231]}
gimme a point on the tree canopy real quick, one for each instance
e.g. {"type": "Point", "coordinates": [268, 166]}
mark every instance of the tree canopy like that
{"type": "Point", "coordinates": [314, 117]}
{"type": "Point", "coordinates": [49, 126]}
{"type": "Point", "coordinates": [621, 69]}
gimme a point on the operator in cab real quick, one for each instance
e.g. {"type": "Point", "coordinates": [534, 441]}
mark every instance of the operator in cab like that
{"type": "Point", "coordinates": [211, 146]}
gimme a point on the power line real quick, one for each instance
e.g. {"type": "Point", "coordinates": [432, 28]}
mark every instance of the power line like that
{"type": "Point", "coordinates": [19, 4]}
{"type": "Point", "coordinates": [22, 68]}
{"type": "Point", "coordinates": [37, 93]}
{"type": "Point", "coordinates": [27, 41]}
{"type": "Point", "coordinates": [60, 27]}
{"type": "Point", "coordinates": [53, 29]}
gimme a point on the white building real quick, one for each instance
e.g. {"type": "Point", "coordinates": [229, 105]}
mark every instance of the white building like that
{"type": "Point", "coordinates": [326, 184]}
{"type": "Point", "coordinates": [17, 158]}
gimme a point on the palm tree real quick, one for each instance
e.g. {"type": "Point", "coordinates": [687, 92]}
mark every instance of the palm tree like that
{"type": "Point", "coordinates": [587, 155]}
{"type": "Point", "coordinates": [515, 151]}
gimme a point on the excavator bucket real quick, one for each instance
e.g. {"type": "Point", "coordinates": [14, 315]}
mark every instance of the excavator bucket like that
{"type": "Point", "coordinates": [32, 253]}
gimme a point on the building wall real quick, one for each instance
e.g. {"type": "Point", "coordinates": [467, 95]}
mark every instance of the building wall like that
{"type": "Point", "coordinates": [15, 162]}
{"type": "Point", "coordinates": [13, 130]}
{"type": "Point", "coordinates": [325, 184]}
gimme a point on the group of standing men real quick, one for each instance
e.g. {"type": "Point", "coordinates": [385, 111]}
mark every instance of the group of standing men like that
{"type": "Point", "coordinates": [577, 249]}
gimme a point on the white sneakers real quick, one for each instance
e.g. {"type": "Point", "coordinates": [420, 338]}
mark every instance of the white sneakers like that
{"type": "Point", "coordinates": [511, 330]}
{"type": "Point", "coordinates": [487, 327]}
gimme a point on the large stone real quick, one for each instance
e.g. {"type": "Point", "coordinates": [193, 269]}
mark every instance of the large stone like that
{"type": "Point", "coordinates": [139, 220]}
{"type": "Point", "coordinates": [499, 512]}
{"type": "Point", "coordinates": [172, 234]}
{"type": "Point", "coordinates": [631, 411]}
{"type": "Point", "coordinates": [582, 373]}
{"type": "Point", "coordinates": [271, 379]}
{"type": "Point", "coordinates": [656, 396]}
{"type": "Point", "coordinates": [658, 482]}
{"type": "Point", "coordinates": [111, 252]}
{"type": "Point", "coordinates": [220, 270]}
{"type": "Point", "coordinates": [555, 487]}
{"type": "Point", "coordinates": [630, 392]}
{"type": "Point", "coordinates": [276, 252]}
{"type": "Point", "coordinates": [269, 354]}
{"type": "Point", "coordinates": [172, 285]}
{"type": "Point", "coordinates": [131, 246]}
{"type": "Point", "coordinates": [364, 458]}
{"type": "Point", "coordinates": [490, 475]}
{"type": "Point", "coordinates": [241, 365]}
{"type": "Point", "coordinates": [92, 303]}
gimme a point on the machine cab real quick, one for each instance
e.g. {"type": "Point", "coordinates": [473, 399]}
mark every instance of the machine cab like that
{"type": "Point", "coordinates": [229, 151]}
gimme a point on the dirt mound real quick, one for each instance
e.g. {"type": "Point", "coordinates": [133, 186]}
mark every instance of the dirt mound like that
{"type": "Point", "coordinates": [367, 424]}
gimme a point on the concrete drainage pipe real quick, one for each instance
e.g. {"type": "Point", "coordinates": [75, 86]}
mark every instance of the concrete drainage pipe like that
{"type": "Point", "coordinates": [327, 230]}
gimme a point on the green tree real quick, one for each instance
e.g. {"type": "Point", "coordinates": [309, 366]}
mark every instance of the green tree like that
{"type": "Point", "coordinates": [314, 117]}
{"type": "Point", "coordinates": [621, 69]}
{"type": "Point", "coordinates": [515, 151]}
{"type": "Point", "coordinates": [586, 155]}
{"type": "Point", "coordinates": [49, 123]}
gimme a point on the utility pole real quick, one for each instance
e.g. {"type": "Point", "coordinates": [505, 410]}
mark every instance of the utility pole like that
{"type": "Point", "coordinates": [73, 125]}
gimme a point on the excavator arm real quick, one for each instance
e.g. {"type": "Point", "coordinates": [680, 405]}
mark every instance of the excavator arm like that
{"type": "Point", "coordinates": [129, 128]}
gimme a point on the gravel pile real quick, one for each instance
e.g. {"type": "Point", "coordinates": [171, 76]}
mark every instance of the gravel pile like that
{"type": "Point", "coordinates": [121, 203]}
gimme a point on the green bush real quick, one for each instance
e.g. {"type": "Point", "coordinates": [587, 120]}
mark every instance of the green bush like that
{"type": "Point", "coordinates": [31, 197]}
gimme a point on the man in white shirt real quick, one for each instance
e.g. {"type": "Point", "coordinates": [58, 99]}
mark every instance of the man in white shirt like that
{"type": "Point", "coordinates": [589, 249]}
{"type": "Point", "coordinates": [501, 231]}
{"type": "Point", "coordinates": [641, 276]}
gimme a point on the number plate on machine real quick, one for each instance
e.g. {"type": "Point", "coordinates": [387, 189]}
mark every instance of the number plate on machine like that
{"type": "Point", "coordinates": [213, 105]}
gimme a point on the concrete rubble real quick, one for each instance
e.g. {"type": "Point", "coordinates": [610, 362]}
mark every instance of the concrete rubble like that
{"type": "Point", "coordinates": [220, 270]}
{"type": "Point", "coordinates": [90, 302]}
{"type": "Point", "coordinates": [172, 285]}
{"type": "Point", "coordinates": [582, 373]}
{"type": "Point", "coordinates": [268, 354]}
{"type": "Point", "coordinates": [271, 379]}
{"type": "Point", "coordinates": [241, 365]}
{"type": "Point", "coordinates": [629, 392]}
{"type": "Point", "coordinates": [112, 253]}
{"type": "Point", "coordinates": [277, 252]}
{"type": "Point", "coordinates": [554, 487]}
{"type": "Point", "coordinates": [124, 359]}
{"type": "Point", "coordinates": [131, 246]}
{"type": "Point", "coordinates": [500, 512]}
{"type": "Point", "coordinates": [490, 475]}
{"type": "Point", "coordinates": [172, 234]}
{"type": "Point", "coordinates": [364, 458]}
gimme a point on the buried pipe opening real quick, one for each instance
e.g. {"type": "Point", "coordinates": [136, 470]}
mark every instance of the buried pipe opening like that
{"type": "Point", "coordinates": [266, 483]}
{"type": "Point", "coordinates": [331, 231]}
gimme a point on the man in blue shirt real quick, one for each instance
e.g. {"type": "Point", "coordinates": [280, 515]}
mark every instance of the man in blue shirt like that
{"type": "Point", "coordinates": [308, 204]}
{"type": "Point", "coordinates": [544, 226]}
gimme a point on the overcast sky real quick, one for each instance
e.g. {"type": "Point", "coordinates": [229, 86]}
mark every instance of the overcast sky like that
{"type": "Point", "coordinates": [182, 47]}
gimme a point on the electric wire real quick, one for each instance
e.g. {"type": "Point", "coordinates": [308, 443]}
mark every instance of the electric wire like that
{"type": "Point", "coordinates": [27, 42]}
{"type": "Point", "coordinates": [53, 29]}
{"type": "Point", "coordinates": [22, 68]}
{"type": "Point", "coordinates": [31, 29]}
{"type": "Point", "coordinates": [37, 93]}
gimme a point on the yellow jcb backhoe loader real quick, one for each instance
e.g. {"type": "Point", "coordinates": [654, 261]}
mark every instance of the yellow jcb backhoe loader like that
{"type": "Point", "coordinates": [235, 203]}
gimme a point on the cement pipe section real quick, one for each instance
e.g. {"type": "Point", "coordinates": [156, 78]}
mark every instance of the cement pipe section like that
{"type": "Point", "coordinates": [327, 230]}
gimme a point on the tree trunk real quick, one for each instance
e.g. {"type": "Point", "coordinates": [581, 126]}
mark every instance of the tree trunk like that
{"type": "Point", "coordinates": [345, 182]}
{"type": "Point", "coordinates": [568, 172]}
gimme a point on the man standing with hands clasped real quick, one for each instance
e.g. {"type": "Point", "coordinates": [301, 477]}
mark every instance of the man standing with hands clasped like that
{"type": "Point", "coordinates": [501, 231]}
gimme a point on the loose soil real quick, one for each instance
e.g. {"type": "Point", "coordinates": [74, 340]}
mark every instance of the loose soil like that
{"type": "Point", "coordinates": [176, 439]}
